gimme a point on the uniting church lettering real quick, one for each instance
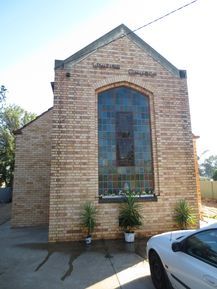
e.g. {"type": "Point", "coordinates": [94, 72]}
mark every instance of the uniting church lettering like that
{"type": "Point", "coordinates": [130, 71]}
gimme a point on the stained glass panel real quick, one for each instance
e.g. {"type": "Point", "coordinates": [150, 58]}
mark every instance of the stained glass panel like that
{"type": "Point", "coordinates": [124, 139]}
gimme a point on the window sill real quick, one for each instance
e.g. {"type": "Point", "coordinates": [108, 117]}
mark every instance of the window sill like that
{"type": "Point", "coordinates": [120, 199]}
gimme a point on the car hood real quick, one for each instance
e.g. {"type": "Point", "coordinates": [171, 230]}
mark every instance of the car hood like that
{"type": "Point", "coordinates": [174, 235]}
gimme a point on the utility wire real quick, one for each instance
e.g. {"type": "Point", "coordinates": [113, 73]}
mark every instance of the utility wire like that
{"type": "Point", "coordinates": [143, 26]}
{"type": "Point", "coordinates": [160, 18]}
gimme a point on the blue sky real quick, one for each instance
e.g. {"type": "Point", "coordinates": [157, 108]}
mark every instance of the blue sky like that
{"type": "Point", "coordinates": [35, 33]}
{"type": "Point", "coordinates": [28, 26]}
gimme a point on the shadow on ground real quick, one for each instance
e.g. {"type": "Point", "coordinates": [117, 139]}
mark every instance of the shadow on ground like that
{"type": "Point", "coordinates": [28, 261]}
{"type": "Point", "coordinates": [73, 250]}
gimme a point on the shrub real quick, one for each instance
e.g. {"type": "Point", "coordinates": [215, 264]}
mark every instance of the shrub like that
{"type": "Point", "coordinates": [215, 176]}
{"type": "Point", "coordinates": [183, 215]}
{"type": "Point", "coordinates": [130, 217]}
{"type": "Point", "coordinates": [88, 217]}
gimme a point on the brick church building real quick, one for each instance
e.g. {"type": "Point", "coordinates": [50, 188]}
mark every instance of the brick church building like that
{"type": "Point", "coordinates": [120, 120]}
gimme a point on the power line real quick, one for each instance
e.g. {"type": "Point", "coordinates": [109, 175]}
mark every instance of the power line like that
{"type": "Point", "coordinates": [143, 26]}
{"type": "Point", "coordinates": [161, 17]}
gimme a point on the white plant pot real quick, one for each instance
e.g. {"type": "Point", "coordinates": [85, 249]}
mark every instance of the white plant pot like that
{"type": "Point", "coordinates": [129, 237]}
{"type": "Point", "coordinates": [88, 240]}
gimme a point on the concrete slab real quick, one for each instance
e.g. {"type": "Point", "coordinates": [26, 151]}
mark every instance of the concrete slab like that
{"type": "Point", "coordinates": [207, 222]}
{"type": "Point", "coordinates": [27, 261]}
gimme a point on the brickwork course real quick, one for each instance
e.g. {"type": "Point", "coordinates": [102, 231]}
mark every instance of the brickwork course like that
{"type": "Point", "coordinates": [56, 168]}
{"type": "Point", "coordinates": [30, 206]}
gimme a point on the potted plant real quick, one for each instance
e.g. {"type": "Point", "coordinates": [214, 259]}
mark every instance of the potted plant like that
{"type": "Point", "coordinates": [183, 215]}
{"type": "Point", "coordinates": [130, 217]}
{"type": "Point", "coordinates": [88, 217]}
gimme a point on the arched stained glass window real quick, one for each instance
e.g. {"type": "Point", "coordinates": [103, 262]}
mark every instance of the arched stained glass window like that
{"type": "Point", "coordinates": [124, 139]}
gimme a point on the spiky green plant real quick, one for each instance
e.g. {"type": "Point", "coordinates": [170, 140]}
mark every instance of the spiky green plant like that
{"type": "Point", "coordinates": [88, 217]}
{"type": "Point", "coordinates": [129, 216]}
{"type": "Point", "coordinates": [184, 216]}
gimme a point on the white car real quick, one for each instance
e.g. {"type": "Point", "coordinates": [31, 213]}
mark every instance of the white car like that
{"type": "Point", "coordinates": [184, 259]}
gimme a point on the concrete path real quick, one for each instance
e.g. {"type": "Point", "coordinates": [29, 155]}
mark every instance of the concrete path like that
{"type": "Point", "coordinates": [27, 261]}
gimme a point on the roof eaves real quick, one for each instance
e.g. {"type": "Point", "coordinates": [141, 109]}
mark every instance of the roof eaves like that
{"type": "Point", "coordinates": [154, 54]}
{"type": "Point", "coordinates": [19, 131]}
{"type": "Point", "coordinates": [195, 136]}
{"type": "Point", "coordinates": [114, 34]}
{"type": "Point", "coordinates": [103, 40]}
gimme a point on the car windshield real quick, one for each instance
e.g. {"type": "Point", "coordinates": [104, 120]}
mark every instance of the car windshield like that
{"type": "Point", "coordinates": [203, 245]}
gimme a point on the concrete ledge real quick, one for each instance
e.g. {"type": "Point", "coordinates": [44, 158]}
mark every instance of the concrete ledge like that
{"type": "Point", "coordinates": [117, 199]}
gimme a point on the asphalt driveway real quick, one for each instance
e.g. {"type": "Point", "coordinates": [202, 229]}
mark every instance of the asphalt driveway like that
{"type": "Point", "coordinates": [28, 261]}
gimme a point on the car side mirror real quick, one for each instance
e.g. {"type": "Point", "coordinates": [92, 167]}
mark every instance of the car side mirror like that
{"type": "Point", "coordinates": [177, 246]}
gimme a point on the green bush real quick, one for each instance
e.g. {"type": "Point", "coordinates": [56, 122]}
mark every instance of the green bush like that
{"type": "Point", "coordinates": [129, 216]}
{"type": "Point", "coordinates": [215, 176]}
{"type": "Point", "coordinates": [88, 217]}
{"type": "Point", "coordinates": [183, 215]}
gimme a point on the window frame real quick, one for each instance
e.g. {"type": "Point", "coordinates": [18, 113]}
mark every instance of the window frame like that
{"type": "Point", "coordinates": [153, 194]}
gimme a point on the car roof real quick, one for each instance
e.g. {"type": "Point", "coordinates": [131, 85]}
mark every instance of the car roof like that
{"type": "Point", "coordinates": [208, 227]}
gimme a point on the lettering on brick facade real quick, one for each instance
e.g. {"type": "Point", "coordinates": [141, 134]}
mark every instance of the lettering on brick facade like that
{"type": "Point", "coordinates": [106, 65]}
{"type": "Point", "coordinates": [142, 72]}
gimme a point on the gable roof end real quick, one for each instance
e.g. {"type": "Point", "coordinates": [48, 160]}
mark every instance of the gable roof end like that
{"type": "Point", "coordinates": [118, 32]}
{"type": "Point", "coordinates": [19, 130]}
